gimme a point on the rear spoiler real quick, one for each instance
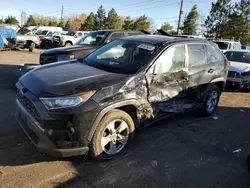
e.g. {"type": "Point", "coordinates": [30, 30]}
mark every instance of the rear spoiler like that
{"type": "Point", "coordinates": [162, 32]}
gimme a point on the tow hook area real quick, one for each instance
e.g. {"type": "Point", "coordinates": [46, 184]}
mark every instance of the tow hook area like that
{"type": "Point", "coordinates": [71, 132]}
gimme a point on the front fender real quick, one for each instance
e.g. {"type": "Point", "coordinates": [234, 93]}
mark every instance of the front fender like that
{"type": "Point", "coordinates": [107, 109]}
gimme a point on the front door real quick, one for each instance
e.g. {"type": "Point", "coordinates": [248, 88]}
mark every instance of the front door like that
{"type": "Point", "coordinates": [168, 81]}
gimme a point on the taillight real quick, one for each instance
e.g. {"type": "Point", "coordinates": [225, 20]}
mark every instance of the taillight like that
{"type": "Point", "coordinates": [228, 63]}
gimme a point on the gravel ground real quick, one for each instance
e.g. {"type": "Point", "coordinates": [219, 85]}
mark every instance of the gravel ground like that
{"type": "Point", "coordinates": [182, 151]}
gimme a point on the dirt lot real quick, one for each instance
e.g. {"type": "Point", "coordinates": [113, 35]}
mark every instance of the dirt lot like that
{"type": "Point", "coordinates": [183, 151]}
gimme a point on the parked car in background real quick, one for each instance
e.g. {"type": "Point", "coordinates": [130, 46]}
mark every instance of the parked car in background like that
{"type": "Point", "coordinates": [225, 45]}
{"type": "Point", "coordinates": [26, 39]}
{"type": "Point", "coordinates": [94, 104]}
{"type": "Point", "coordinates": [21, 39]}
{"type": "Point", "coordinates": [68, 39]}
{"type": "Point", "coordinates": [39, 29]}
{"type": "Point", "coordinates": [84, 46]}
{"type": "Point", "coordinates": [245, 47]}
{"type": "Point", "coordinates": [239, 70]}
{"type": "Point", "coordinates": [47, 41]}
{"type": "Point", "coordinates": [81, 48]}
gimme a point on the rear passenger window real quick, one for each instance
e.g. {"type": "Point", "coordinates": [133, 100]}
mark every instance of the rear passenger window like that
{"type": "Point", "coordinates": [173, 59]}
{"type": "Point", "coordinates": [213, 54]}
{"type": "Point", "coordinates": [196, 53]}
{"type": "Point", "coordinates": [116, 36]}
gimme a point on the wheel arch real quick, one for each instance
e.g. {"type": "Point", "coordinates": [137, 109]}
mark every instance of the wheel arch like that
{"type": "Point", "coordinates": [128, 106]}
{"type": "Point", "coordinates": [68, 41]}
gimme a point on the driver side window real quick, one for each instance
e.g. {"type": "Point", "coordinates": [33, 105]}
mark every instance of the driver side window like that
{"type": "Point", "coordinates": [172, 60]}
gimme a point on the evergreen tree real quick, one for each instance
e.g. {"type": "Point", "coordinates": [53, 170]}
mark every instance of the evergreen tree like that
{"type": "Point", "coordinates": [89, 24]}
{"type": "Point", "coordinates": [142, 23]}
{"type": "Point", "coordinates": [68, 25]}
{"type": "Point", "coordinates": [216, 21]}
{"type": "Point", "coordinates": [11, 20]}
{"type": "Point", "coordinates": [128, 23]}
{"type": "Point", "coordinates": [30, 22]}
{"type": "Point", "coordinates": [112, 21]}
{"type": "Point", "coordinates": [238, 25]}
{"type": "Point", "coordinates": [167, 27]}
{"type": "Point", "coordinates": [60, 24]}
{"type": "Point", "coordinates": [190, 23]}
{"type": "Point", "coordinates": [100, 18]}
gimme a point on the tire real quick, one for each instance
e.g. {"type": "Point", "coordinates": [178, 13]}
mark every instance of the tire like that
{"type": "Point", "coordinates": [211, 100]}
{"type": "Point", "coordinates": [32, 47]}
{"type": "Point", "coordinates": [68, 44]}
{"type": "Point", "coordinates": [103, 139]}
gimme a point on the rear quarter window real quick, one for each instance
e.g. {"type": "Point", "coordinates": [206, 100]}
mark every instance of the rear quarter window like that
{"type": "Point", "coordinates": [213, 54]}
{"type": "Point", "coordinates": [196, 54]}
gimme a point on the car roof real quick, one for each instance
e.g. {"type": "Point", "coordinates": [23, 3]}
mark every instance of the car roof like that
{"type": "Point", "coordinates": [225, 41]}
{"type": "Point", "coordinates": [160, 39]}
{"type": "Point", "coordinates": [243, 50]}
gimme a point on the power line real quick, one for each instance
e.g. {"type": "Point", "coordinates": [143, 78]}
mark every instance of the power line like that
{"type": "Point", "coordinates": [150, 7]}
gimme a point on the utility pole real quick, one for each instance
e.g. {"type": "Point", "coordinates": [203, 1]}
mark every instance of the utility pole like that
{"type": "Point", "coordinates": [179, 21]}
{"type": "Point", "coordinates": [62, 14]}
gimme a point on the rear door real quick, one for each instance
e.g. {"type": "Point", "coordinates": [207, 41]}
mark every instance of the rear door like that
{"type": "Point", "coordinates": [201, 70]}
{"type": "Point", "coordinates": [167, 81]}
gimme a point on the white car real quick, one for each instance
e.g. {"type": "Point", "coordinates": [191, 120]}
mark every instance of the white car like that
{"type": "Point", "coordinates": [239, 70]}
{"type": "Point", "coordinates": [69, 38]}
{"type": "Point", "coordinates": [225, 45]}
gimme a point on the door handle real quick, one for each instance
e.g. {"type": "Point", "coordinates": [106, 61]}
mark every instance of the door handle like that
{"type": "Point", "coordinates": [210, 71]}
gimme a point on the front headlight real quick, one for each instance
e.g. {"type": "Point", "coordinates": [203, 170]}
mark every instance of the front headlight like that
{"type": "Point", "coordinates": [66, 102]}
{"type": "Point", "coordinates": [65, 57]}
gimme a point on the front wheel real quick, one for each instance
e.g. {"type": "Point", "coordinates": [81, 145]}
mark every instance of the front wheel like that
{"type": "Point", "coordinates": [112, 136]}
{"type": "Point", "coordinates": [32, 47]}
{"type": "Point", "coordinates": [67, 44]}
{"type": "Point", "coordinates": [211, 101]}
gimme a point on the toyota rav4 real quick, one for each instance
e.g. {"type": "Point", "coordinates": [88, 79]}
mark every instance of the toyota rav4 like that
{"type": "Point", "coordinates": [94, 104]}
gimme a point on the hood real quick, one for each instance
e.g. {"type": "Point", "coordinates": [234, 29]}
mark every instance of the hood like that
{"type": "Point", "coordinates": [239, 67]}
{"type": "Point", "coordinates": [70, 50]}
{"type": "Point", "coordinates": [68, 78]}
{"type": "Point", "coordinates": [23, 31]}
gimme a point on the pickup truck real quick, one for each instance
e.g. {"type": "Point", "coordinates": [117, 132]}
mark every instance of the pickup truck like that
{"type": "Point", "coordinates": [68, 39]}
{"type": "Point", "coordinates": [81, 48]}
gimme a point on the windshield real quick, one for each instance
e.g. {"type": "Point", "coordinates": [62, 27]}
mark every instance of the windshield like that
{"type": "Point", "coordinates": [70, 33]}
{"type": "Point", "coordinates": [222, 45]}
{"type": "Point", "coordinates": [42, 32]}
{"type": "Point", "coordinates": [121, 56]}
{"type": "Point", "coordinates": [243, 57]}
{"type": "Point", "coordinates": [92, 38]}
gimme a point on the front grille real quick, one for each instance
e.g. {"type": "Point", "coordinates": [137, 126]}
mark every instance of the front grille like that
{"type": "Point", "coordinates": [47, 58]}
{"type": "Point", "coordinates": [233, 74]}
{"type": "Point", "coordinates": [245, 73]}
{"type": "Point", "coordinates": [27, 104]}
{"type": "Point", "coordinates": [56, 40]}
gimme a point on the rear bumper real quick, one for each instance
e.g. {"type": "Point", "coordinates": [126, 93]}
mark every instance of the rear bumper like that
{"type": "Point", "coordinates": [37, 135]}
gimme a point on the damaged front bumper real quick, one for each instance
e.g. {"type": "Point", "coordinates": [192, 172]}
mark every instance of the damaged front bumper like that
{"type": "Point", "coordinates": [42, 140]}
{"type": "Point", "coordinates": [239, 80]}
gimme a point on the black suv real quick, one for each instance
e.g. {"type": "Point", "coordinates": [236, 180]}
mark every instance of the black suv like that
{"type": "Point", "coordinates": [94, 104]}
{"type": "Point", "coordinates": [84, 46]}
